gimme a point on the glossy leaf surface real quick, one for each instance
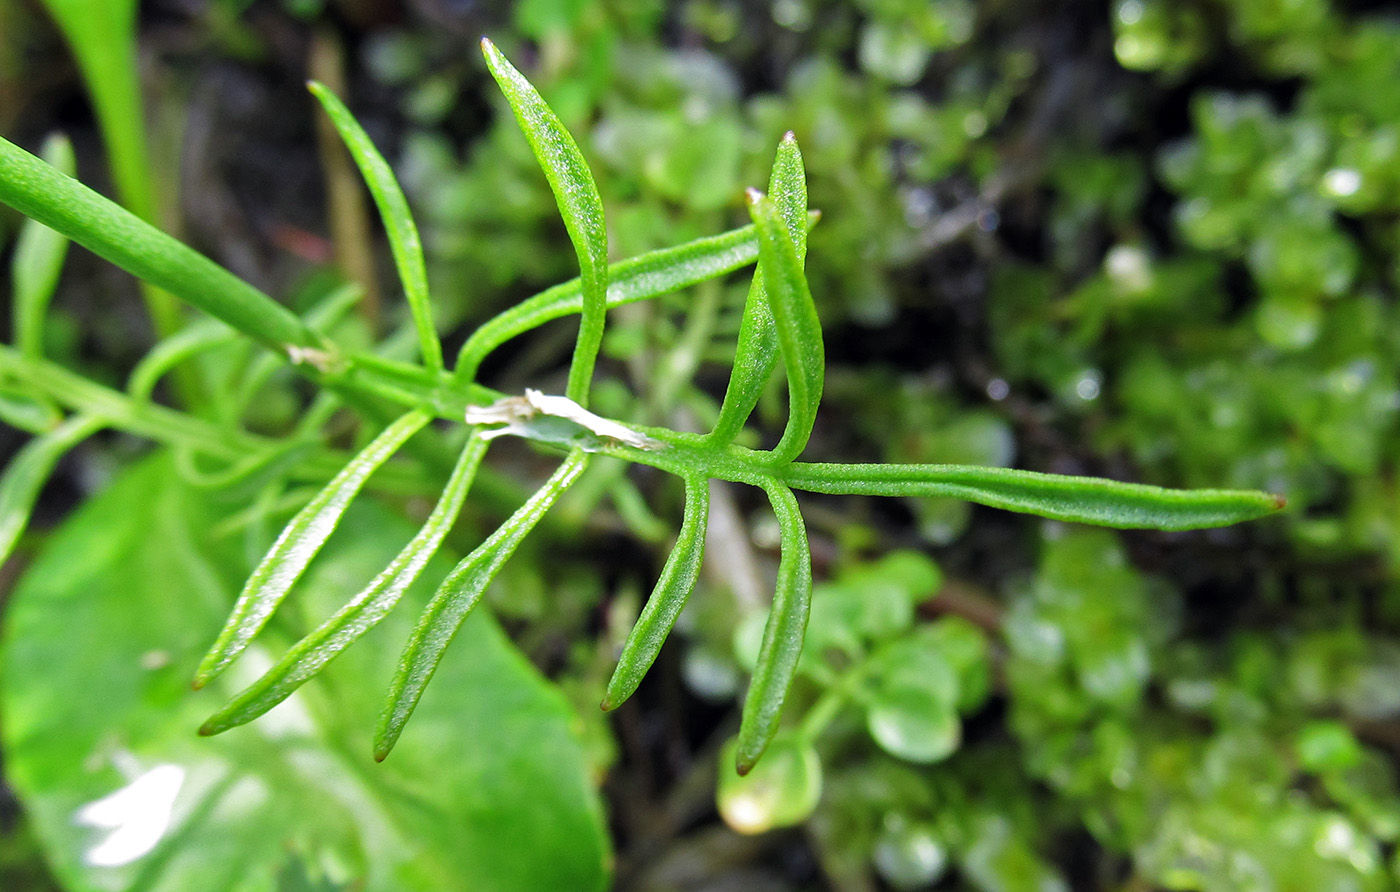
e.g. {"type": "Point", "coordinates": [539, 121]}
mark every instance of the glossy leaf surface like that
{"type": "Point", "coordinates": [361, 613]}
{"type": "Point", "coordinates": [102, 634]}
{"type": "Point", "coordinates": [299, 542]}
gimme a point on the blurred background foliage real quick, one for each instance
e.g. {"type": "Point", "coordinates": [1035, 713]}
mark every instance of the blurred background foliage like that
{"type": "Point", "coordinates": [1151, 239]}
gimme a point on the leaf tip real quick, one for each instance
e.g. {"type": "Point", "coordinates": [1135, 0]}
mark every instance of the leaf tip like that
{"type": "Point", "coordinates": [753, 195]}
{"type": "Point", "coordinates": [607, 705]}
{"type": "Point", "coordinates": [1280, 501]}
{"type": "Point", "coordinates": [381, 752]}
{"type": "Point", "coordinates": [744, 764]}
{"type": "Point", "coordinates": [487, 46]}
{"type": "Point", "coordinates": [789, 138]}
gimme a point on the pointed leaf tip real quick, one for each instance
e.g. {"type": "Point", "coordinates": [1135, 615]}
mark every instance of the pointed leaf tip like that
{"type": "Point", "coordinates": [753, 195]}
{"type": "Point", "coordinates": [789, 137]}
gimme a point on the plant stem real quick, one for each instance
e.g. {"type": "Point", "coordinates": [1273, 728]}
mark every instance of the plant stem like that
{"type": "Point", "coordinates": [37, 190]}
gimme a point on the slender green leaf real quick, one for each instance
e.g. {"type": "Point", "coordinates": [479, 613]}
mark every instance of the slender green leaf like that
{"type": "Point", "coordinates": [757, 352]}
{"type": "Point", "coordinates": [37, 190]}
{"type": "Point", "coordinates": [455, 598]}
{"type": "Point", "coordinates": [26, 473]}
{"type": "Point", "coordinates": [407, 247]}
{"type": "Point", "coordinates": [39, 254]}
{"type": "Point", "coordinates": [102, 631]}
{"type": "Point", "coordinates": [362, 612]}
{"type": "Point", "coordinates": [298, 544]}
{"type": "Point", "coordinates": [190, 341]}
{"type": "Point", "coordinates": [637, 278]}
{"type": "Point", "coordinates": [1081, 499]}
{"type": "Point", "coordinates": [795, 321]}
{"type": "Point", "coordinates": [19, 408]}
{"type": "Point", "coordinates": [667, 599]}
{"type": "Point", "coordinates": [579, 204]}
{"type": "Point", "coordinates": [783, 635]}
{"type": "Point", "coordinates": [103, 39]}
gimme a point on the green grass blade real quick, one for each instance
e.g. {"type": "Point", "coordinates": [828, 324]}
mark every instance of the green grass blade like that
{"type": "Point", "coordinates": [782, 637]}
{"type": "Point", "coordinates": [757, 352]}
{"type": "Point", "coordinates": [638, 278]}
{"type": "Point", "coordinates": [39, 254]}
{"type": "Point", "coordinates": [310, 655]}
{"type": "Point", "coordinates": [579, 205]}
{"type": "Point", "coordinates": [404, 241]}
{"type": "Point", "coordinates": [1080, 499]}
{"type": "Point", "coordinates": [667, 599]}
{"type": "Point", "coordinates": [795, 322]}
{"type": "Point", "coordinates": [455, 598]}
{"type": "Point", "coordinates": [27, 472]}
{"type": "Point", "coordinates": [299, 542]}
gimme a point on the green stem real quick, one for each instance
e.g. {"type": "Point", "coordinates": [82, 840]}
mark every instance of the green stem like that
{"type": "Point", "coordinates": [37, 190]}
{"type": "Point", "coordinates": [156, 422]}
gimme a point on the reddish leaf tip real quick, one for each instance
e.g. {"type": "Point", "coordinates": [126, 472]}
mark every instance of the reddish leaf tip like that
{"type": "Point", "coordinates": [753, 195]}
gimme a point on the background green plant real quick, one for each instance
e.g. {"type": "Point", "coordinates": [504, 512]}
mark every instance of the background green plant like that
{"type": "Point", "coordinates": [1104, 277]}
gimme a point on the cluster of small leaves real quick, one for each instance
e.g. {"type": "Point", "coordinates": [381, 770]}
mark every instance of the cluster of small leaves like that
{"type": "Point", "coordinates": [1273, 343]}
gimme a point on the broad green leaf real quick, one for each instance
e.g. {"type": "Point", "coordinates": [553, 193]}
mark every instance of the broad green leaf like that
{"type": "Point", "coordinates": [404, 242]}
{"type": "Point", "coordinates": [299, 542]}
{"type": "Point", "coordinates": [107, 625]}
{"type": "Point", "coordinates": [39, 254]}
{"type": "Point", "coordinates": [795, 324]}
{"type": "Point", "coordinates": [27, 472]}
{"type": "Point", "coordinates": [783, 635]}
{"type": "Point", "coordinates": [579, 205]}
{"type": "Point", "coordinates": [781, 792]}
{"type": "Point", "coordinates": [756, 355]}
{"type": "Point", "coordinates": [667, 600]}
{"type": "Point", "coordinates": [454, 600]}
{"type": "Point", "coordinates": [1089, 500]}
{"type": "Point", "coordinates": [362, 613]}
{"type": "Point", "coordinates": [638, 278]}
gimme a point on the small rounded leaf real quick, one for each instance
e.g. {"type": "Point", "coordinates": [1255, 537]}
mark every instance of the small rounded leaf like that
{"type": "Point", "coordinates": [909, 855]}
{"type": "Point", "coordinates": [782, 790]}
{"type": "Point", "coordinates": [914, 724]}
